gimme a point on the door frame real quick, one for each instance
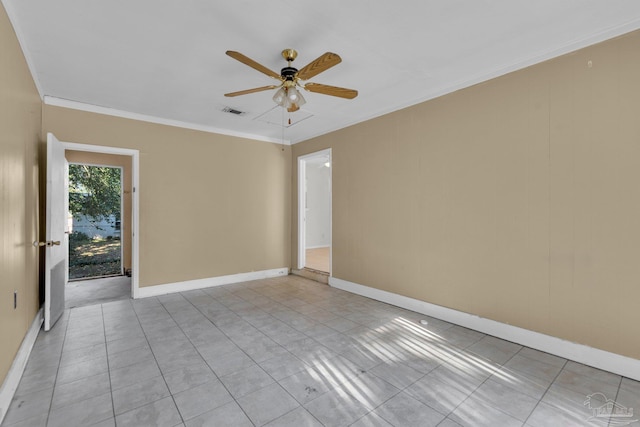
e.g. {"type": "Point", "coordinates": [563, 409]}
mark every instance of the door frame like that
{"type": "Point", "coordinates": [135, 201]}
{"type": "Point", "coordinates": [302, 178]}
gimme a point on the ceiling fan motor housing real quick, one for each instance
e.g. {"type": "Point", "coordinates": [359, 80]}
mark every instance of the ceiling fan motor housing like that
{"type": "Point", "coordinates": [288, 73]}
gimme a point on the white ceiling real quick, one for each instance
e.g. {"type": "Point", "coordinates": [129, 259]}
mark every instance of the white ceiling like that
{"type": "Point", "coordinates": [165, 60]}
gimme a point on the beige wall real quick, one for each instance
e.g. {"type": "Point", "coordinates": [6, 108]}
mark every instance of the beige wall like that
{"type": "Point", "coordinates": [20, 113]}
{"type": "Point", "coordinates": [210, 205]}
{"type": "Point", "coordinates": [101, 159]}
{"type": "Point", "coordinates": [517, 199]}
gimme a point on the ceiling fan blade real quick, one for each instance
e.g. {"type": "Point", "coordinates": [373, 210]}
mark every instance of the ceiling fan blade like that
{"type": "Point", "coordinates": [253, 64]}
{"type": "Point", "coordinates": [331, 90]}
{"type": "Point", "coordinates": [322, 63]}
{"type": "Point", "coordinates": [257, 89]}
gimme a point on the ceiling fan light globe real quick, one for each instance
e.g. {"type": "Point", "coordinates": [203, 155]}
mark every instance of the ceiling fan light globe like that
{"type": "Point", "coordinates": [294, 99]}
{"type": "Point", "coordinates": [287, 101]}
{"type": "Point", "coordinates": [293, 95]}
{"type": "Point", "coordinates": [301, 100]}
{"type": "Point", "coordinates": [280, 97]}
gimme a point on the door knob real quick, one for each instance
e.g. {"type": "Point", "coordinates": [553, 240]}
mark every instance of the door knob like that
{"type": "Point", "coordinates": [47, 243]}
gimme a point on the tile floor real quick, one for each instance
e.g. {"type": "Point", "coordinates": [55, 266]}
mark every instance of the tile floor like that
{"type": "Point", "coordinates": [79, 293]}
{"type": "Point", "coordinates": [291, 352]}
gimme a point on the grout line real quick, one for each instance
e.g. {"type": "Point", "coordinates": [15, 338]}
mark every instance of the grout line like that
{"type": "Point", "coordinates": [335, 383]}
{"type": "Point", "coordinates": [157, 364]}
{"type": "Point", "coordinates": [615, 399]}
{"type": "Point", "coordinates": [241, 349]}
{"type": "Point", "coordinates": [228, 337]}
{"type": "Point", "coordinates": [547, 389]}
{"type": "Point", "coordinates": [487, 379]}
{"type": "Point", "coordinates": [104, 330]}
{"type": "Point", "coordinates": [55, 382]}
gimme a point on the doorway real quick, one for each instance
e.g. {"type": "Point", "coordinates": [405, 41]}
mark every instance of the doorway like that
{"type": "Point", "coordinates": [97, 238]}
{"type": "Point", "coordinates": [314, 211]}
{"type": "Point", "coordinates": [109, 241]}
{"type": "Point", "coordinates": [55, 257]}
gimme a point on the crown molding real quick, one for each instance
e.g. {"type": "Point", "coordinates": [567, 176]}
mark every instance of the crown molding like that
{"type": "Point", "coordinates": [81, 106]}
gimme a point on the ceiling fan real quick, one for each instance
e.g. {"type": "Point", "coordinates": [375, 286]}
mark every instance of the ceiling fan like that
{"type": "Point", "coordinates": [288, 96]}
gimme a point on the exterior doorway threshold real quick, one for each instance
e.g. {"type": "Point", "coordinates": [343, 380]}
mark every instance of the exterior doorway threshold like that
{"type": "Point", "coordinates": [316, 275]}
{"type": "Point", "coordinates": [106, 276]}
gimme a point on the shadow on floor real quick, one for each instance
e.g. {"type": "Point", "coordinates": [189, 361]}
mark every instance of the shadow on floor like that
{"type": "Point", "coordinates": [97, 291]}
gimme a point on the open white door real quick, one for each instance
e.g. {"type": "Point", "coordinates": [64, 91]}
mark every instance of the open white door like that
{"type": "Point", "coordinates": [57, 242]}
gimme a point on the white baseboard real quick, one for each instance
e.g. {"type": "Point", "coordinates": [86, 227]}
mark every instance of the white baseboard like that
{"type": "Point", "coordinates": [611, 362]}
{"type": "Point", "coordinates": [12, 380]}
{"type": "Point", "coordinates": [190, 285]}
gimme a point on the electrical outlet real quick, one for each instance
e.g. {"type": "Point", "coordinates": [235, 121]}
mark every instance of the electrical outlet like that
{"type": "Point", "coordinates": [15, 299]}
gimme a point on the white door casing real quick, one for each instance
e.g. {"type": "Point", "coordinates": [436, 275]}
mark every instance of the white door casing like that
{"type": "Point", "coordinates": [135, 201]}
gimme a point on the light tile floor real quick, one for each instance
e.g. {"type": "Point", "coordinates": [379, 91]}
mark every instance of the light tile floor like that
{"type": "Point", "coordinates": [79, 293]}
{"type": "Point", "coordinates": [291, 352]}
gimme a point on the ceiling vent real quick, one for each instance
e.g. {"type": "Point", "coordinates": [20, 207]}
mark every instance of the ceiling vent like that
{"type": "Point", "coordinates": [233, 111]}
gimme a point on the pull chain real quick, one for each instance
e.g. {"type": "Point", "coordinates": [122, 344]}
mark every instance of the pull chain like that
{"type": "Point", "coordinates": [282, 130]}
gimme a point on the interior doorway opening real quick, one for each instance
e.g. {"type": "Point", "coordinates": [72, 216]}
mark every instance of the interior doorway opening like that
{"type": "Point", "coordinates": [314, 211]}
